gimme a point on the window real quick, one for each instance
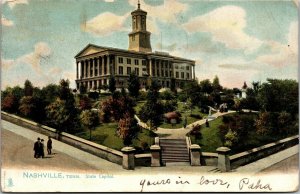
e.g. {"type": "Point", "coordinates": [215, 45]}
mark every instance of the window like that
{"type": "Point", "coordinates": [166, 73]}
{"type": "Point", "coordinates": [187, 67]}
{"type": "Point", "coordinates": [187, 76]}
{"type": "Point", "coordinates": [137, 72]}
{"type": "Point", "coordinates": [144, 62]}
{"type": "Point", "coordinates": [120, 59]}
{"type": "Point", "coordinates": [176, 67]}
{"type": "Point", "coordinates": [136, 62]}
{"type": "Point", "coordinates": [177, 74]}
{"type": "Point", "coordinates": [158, 72]}
{"type": "Point", "coordinates": [120, 70]}
{"type": "Point", "coordinates": [128, 70]}
{"type": "Point", "coordinates": [128, 61]}
{"type": "Point", "coordinates": [182, 75]}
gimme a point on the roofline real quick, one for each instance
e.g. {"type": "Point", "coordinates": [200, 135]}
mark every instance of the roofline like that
{"type": "Point", "coordinates": [133, 52]}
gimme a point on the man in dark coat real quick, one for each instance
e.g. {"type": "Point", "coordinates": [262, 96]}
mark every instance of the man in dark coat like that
{"type": "Point", "coordinates": [36, 148]}
{"type": "Point", "coordinates": [42, 148]}
{"type": "Point", "coordinates": [49, 145]}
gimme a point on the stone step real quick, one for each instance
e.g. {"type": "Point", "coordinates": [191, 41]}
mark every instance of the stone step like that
{"type": "Point", "coordinates": [167, 160]}
{"type": "Point", "coordinates": [187, 163]}
{"type": "Point", "coordinates": [174, 151]}
{"type": "Point", "coordinates": [173, 148]}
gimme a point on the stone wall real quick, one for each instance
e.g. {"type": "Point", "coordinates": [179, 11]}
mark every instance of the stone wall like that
{"type": "Point", "coordinates": [80, 143]}
{"type": "Point", "coordinates": [262, 151]}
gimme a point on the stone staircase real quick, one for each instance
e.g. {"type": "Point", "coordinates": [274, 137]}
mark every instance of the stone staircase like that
{"type": "Point", "coordinates": [174, 151]}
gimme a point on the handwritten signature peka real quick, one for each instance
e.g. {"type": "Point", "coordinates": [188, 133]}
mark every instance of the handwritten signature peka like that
{"type": "Point", "coordinates": [244, 183]}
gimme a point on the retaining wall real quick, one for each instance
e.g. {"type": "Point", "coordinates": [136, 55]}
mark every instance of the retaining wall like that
{"type": "Point", "coordinates": [80, 143]}
{"type": "Point", "coordinates": [262, 151]}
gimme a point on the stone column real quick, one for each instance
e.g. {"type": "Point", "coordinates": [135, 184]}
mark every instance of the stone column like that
{"type": "Point", "coordinates": [77, 72]}
{"type": "Point", "coordinates": [154, 67]}
{"type": "Point", "coordinates": [194, 74]}
{"type": "Point", "coordinates": [86, 68]}
{"type": "Point", "coordinates": [223, 159]}
{"type": "Point", "coordinates": [89, 68]}
{"type": "Point", "coordinates": [98, 63]}
{"type": "Point", "coordinates": [150, 67]}
{"type": "Point", "coordinates": [108, 65]}
{"type": "Point", "coordinates": [156, 140]}
{"type": "Point", "coordinates": [195, 155]}
{"type": "Point", "coordinates": [102, 65]}
{"type": "Point", "coordinates": [82, 69]}
{"type": "Point", "coordinates": [155, 156]}
{"type": "Point", "coordinates": [128, 158]}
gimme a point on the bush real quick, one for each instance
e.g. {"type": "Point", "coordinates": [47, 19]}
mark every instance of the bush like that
{"type": "Point", "coordinates": [94, 95]}
{"type": "Point", "coordinates": [196, 131]}
{"type": "Point", "coordinates": [142, 96]}
{"type": "Point", "coordinates": [145, 146]}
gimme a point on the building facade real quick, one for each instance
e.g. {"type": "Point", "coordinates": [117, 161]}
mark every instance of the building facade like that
{"type": "Point", "coordinates": [95, 64]}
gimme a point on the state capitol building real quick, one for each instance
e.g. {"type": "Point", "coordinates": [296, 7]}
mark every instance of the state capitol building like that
{"type": "Point", "coordinates": [95, 64]}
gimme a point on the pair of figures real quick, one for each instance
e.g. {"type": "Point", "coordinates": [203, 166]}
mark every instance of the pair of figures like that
{"type": "Point", "coordinates": [39, 147]}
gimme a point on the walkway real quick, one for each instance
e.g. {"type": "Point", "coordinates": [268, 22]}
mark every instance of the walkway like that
{"type": "Point", "coordinates": [18, 147]}
{"type": "Point", "coordinates": [181, 132]}
{"type": "Point", "coordinates": [17, 152]}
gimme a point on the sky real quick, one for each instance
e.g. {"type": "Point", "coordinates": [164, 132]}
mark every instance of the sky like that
{"type": "Point", "coordinates": [235, 40]}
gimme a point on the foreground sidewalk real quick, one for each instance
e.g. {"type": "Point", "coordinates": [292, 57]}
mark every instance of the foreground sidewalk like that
{"type": "Point", "coordinates": [101, 164]}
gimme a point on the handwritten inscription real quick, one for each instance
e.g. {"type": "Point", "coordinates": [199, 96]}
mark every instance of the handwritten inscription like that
{"type": "Point", "coordinates": [244, 183]}
{"type": "Point", "coordinates": [204, 181]}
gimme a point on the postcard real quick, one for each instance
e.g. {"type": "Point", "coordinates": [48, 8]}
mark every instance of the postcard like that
{"type": "Point", "coordinates": [149, 96]}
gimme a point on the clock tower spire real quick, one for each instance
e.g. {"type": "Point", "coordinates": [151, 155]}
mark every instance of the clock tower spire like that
{"type": "Point", "coordinates": [139, 37]}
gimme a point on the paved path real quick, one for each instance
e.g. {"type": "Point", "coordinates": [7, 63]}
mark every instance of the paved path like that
{"type": "Point", "coordinates": [22, 152]}
{"type": "Point", "coordinates": [181, 132]}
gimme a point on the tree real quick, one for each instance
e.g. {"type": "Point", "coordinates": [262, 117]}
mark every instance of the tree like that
{"type": "Point", "coordinates": [216, 84]}
{"type": "Point", "coordinates": [82, 89]}
{"type": "Point", "coordinates": [279, 95]}
{"type": "Point", "coordinates": [28, 88]}
{"type": "Point", "coordinates": [85, 103]}
{"type": "Point", "coordinates": [89, 120]}
{"type": "Point", "coordinates": [206, 86]}
{"type": "Point", "coordinates": [173, 85]}
{"type": "Point", "coordinates": [50, 93]}
{"type": "Point", "coordinates": [58, 115]}
{"type": "Point", "coordinates": [133, 85]}
{"type": "Point", "coordinates": [115, 108]}
{"type": "Point", "coordinates": [112, 84]}
{"type": "Point", "coordinates": [153, 109]}
{"type": "Point", "coordinates": [127, 129]}
{"type": "Point", "coordinates": [28, 107]}
{"type": "Point", "coordinates": [11, 99]}
{"type": "Point", "coordinates": [65, 93]}
{"type": "Point", "coordinates": [230, 138]}
{"type": "Point", "coordinates": [9, 104]}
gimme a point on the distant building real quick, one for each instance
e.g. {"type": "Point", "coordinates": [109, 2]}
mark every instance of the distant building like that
{"type": "Point", "coordinates": [95, 64]}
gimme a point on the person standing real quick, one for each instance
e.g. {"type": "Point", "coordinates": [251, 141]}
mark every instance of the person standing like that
{"type": "Point", "coordinates": [42, 148]}
{"type": "Point", "coordinates": [36, 148]}
{"type": "Point", "coordinates": [49, 145]}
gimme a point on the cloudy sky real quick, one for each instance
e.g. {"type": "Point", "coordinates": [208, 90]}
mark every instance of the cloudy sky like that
{"type": "Point", "coordinates": [236, 40]}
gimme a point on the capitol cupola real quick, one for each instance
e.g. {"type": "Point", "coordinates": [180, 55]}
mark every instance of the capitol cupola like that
{"type": "Point", "coordinates": [139, 38]}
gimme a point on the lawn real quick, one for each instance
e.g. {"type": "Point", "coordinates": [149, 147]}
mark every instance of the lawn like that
{"type": "Point", "coordinates": [105, 134]}
{"type": "Point", "coordinates": [180, 109]}
{"type": "Point", "coordinates": [210, 139]}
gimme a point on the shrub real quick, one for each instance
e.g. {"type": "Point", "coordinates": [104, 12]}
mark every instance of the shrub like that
{"type": "Point", "coordinates": [196, 131]}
